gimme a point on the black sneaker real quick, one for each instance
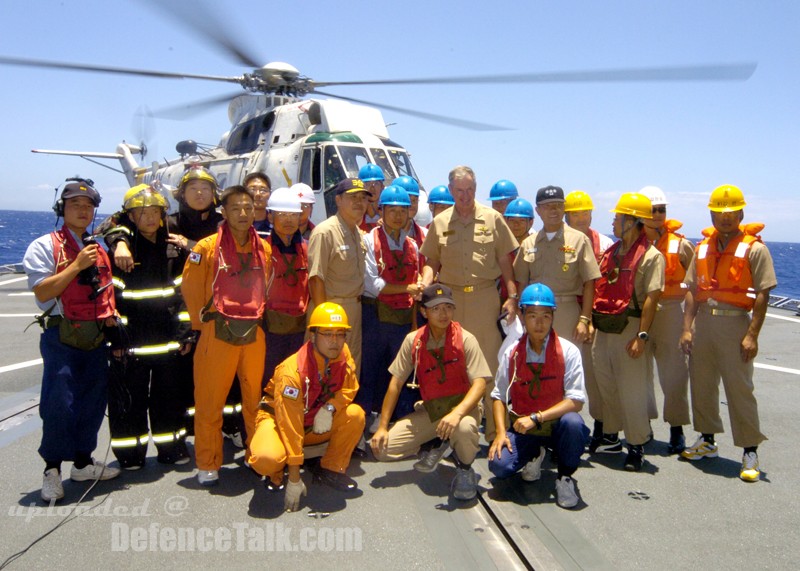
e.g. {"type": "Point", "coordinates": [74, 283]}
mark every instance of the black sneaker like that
{"type": "Point", "coordinates": [633, 463]}
{"type": "Point", "coordinates": [428, 461]}
{"type": "Point", "coordinates": [335, 480]}
{"type": "Point", "coordinates": [677, 444]}
{"type": "Point", "coordinates": [609, 444]}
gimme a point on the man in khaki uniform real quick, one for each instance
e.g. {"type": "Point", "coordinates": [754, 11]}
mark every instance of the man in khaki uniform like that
{"type": "Point", "coordinates": [626, 297]}
{"type": "Point", "coordinates": [731, 275]}
{"type": "Point", "coordinates": [562, 259]}
{"type": "Point", "coordinates": [336, 259]}
{"type": "Point", "coordinates": [665, 333]}
{"type": "Point", "coordinates": [469, 245]}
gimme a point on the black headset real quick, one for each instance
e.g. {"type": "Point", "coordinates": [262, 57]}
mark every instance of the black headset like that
{"type": "Point", "coordinates": [58, 205]}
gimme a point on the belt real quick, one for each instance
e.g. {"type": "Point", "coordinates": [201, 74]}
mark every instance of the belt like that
{"type": "Point", "coordinates": [723, 312]}
{"type": "Point", "coordinates": [471, 288]}
{"type": "Point", "coordinates": [567, 298]}
{"type": "Point", "coordinates": [369, 300]}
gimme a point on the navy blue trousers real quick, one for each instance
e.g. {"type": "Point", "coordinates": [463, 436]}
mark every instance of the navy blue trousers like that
{"type": "Point", "coordinates": [380, 345]}
{"type": "Point", "coordinates": [279, 348]}
{"type": "Point", "coordinates": [73, 400]}
{"type": "Point", "coordinates": [569, 438]}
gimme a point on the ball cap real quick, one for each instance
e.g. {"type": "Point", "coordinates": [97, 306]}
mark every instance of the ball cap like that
{"type": "Point", "coordinates": [349, 186]}
{"type": "Point", "coordinates": [549, 194]}
{"type": "Point", "coordinates": [436, 294]}
{"type": "Point", "coordinates": [76, 189]}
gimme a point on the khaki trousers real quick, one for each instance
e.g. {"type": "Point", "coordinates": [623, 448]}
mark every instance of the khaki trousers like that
{"type": "Point", "coordinates": [672, 364]}
{"type": "Point", "coordinates": [715, 355]}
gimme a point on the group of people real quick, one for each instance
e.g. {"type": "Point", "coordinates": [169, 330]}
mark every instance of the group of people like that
{"type": "Point", "coordinates": [371, 332]}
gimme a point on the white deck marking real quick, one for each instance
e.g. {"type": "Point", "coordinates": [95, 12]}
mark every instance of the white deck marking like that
{"type": "Point", "coordinates": [13, 280]}
{"type": "Point", "coordinates": [785, 318]}
{"type": "Point", "coordinates": [22, 365]}
{"type": "Point", "coordinates": [779, 369]}
{"type": "Point", "coordinates": [18, 314]}
{"type": "Point", "coordinates": [20, 294]}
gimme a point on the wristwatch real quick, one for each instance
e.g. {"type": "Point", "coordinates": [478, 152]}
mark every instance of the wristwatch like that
{"type": "Point", "coordinates": [535, 419]}
{"type": "Point", "coordinates": [330, 408]}
{"type": "Point", "coordinates": [643, 335]}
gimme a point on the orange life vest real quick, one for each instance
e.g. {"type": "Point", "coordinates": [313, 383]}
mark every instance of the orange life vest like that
{"type": "Point", "coordinates": [395, 268]}
{"type": "Point", "coordinates": [289, 290]}
{"type": "Point", "coordinates": [239, 288]}
{"type": "Point", "coordinates": [669, 245]}
{"type": "Point", "coordinates": [614, 289]}
{"type": "Point", "coordinates": [725, 276]}
{"type": "Point", "coordinates": [82, 302]}
{"type": "Point", "coordinates": [318, 388]}
{"type": "Point", "coordinates": [535, 386]}
{"type": "Point", "coordinates": [442, 372]}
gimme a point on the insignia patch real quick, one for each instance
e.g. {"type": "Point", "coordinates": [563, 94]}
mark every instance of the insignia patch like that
{"type": "Point", "coordinates": [291, 392]}
{"type": "Point", "coordinates": [195, 257]}
{"type": "Point", "coordinates": [448, 233]}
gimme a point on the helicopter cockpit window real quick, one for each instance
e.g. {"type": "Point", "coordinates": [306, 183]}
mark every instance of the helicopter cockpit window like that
{"type": "Point", "coordinates": [334, 170]}
{"type": "Point", "coordinates": [245, 136]}
{"type": "Point", "coordinates": [402, 162]}
{"type": "Point", "coordinates": [379, 158]}
{"type": "Point", "coordinates": [353, 158]}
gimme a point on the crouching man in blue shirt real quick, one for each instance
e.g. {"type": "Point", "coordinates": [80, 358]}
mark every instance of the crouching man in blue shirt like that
{"type": "Point", "coordinates": [540, 381]}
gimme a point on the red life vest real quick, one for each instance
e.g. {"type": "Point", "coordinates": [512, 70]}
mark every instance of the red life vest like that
{"type": "Point", "coordinates": [239, 288]}
{"type": "Point", "coordinates": [289, 290]}
{"type": "Point", "coordinates": [419, 238]}
{"type": "Point", "coordinates": [669, 245]}
{"type": "Point", "coordinates": [614, 289]}
{"type": "Point", "coordinates": [395, 268]}
{"type": "Point", "coordinates": [725, 276]}
{"type": "Point", "coordinates": [535, 387]}
{"type": "Point", "coordinates": [594, 237]}
{"type": "Point", "coordinates": [318, 388]}
{"type": "Point", "coordinates": [445, 376]}
{"type": "Point", "coordinates": [501, 284]}
{"type": "Point", "coordinates": [75, 301]}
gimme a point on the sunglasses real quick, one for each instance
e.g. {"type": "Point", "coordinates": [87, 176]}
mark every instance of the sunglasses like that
{"type": "Point", "coordinates": [659, 210]}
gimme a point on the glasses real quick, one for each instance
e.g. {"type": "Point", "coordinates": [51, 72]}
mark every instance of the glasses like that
{"type": "Point", "coordinates": [286, 214]}
{"type": "Point", "coordinates": [659, 210]}
{"type": "Point", "coordinates": [258, 189]}
{"type": "Point", "coordinates": [333, 335]}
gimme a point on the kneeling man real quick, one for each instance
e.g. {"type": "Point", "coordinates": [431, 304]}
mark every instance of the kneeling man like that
{"type": "Point", "coordinates": [540, 381]}
{"type": "Point", "coordinates": [451, 373]}
{"type": "Point", "coordinates": [309, 401]}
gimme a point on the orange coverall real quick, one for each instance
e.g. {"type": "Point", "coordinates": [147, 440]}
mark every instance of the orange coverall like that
{"type": "Point", "coordinates": [280, 434]}
{"type": "Point", "coordinates": [216, 362]}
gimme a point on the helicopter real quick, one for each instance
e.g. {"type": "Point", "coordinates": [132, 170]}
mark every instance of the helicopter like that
{"type": "Point", "coordinates": [287, 127]}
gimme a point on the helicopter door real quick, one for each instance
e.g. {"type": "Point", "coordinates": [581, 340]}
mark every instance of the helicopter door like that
{"type": "Point", "coordinates": [310, 168]}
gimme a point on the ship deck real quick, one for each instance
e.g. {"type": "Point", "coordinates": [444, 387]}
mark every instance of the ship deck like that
{"type": "Point", "coordinates": [672, 515]}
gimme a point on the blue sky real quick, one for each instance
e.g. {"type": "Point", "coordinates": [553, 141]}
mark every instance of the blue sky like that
{"type": "Point", "coordinates": [686, 137]}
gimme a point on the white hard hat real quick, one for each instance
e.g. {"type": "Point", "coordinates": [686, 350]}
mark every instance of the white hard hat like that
{"type": "Point", "coordinates": [655, 194]}
{"type": "Point", "coordinates": [305, 192]}
{"type": "Point", "coordinates": [284, 200]}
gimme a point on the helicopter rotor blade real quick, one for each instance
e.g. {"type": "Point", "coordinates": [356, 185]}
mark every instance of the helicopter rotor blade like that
{"type": "Point", "coordinates": [209, 27]}
{"type": "Point", "coordinates": [714, 72]}
{"type": "Point", "coordinates": [463, 123]}
{"type": "Point", "coordinates": [25, 62]}
{"type": "Point", "coordinates": [193, 108]}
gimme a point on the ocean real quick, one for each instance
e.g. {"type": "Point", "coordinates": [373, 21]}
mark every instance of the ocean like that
{"type": "Point", "coordinates": [19, 228]}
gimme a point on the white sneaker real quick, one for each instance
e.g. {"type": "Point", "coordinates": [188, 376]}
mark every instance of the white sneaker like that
{"type": "Point", "coordinates": [700, 449]}
{"type": "Point", "coordinates": [95, 471]}
{"type": "Point", "coordinates": [208, 477]}
{"type": "Point", "coordinates": [375, 424]}
{"type": "Point", "coordinates": [533, 469]}
{"type": "Point", "coordinates": [52, 489]}
{"type": "Point", "coordinates": [566, 495]}
{"type": "Point", "coordinates": [235, 438]}
{"type": "Point", "coordinates": [750, 471]}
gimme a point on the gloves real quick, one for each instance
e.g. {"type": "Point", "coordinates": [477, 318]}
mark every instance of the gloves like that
{"type": "Point", "coordinates": [323, 421]}
{"type": "Point", "coordinates": [294, 490]}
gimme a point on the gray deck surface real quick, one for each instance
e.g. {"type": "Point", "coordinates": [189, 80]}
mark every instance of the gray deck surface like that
{"type": "Point", "coordinates": [672, 515]}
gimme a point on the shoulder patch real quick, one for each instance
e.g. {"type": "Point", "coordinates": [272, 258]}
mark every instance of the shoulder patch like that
{"type": "Point", "coordinates": [291, 392]}
{"type": "Point", "coordinates": [195, 257]}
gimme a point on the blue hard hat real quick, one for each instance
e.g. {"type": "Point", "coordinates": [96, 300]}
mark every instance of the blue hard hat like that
{"type": "Point", "coordinates": [409, 184]}
{"type": "Point", "coordinates": [393, 195]}
{"type": "Point", "coordinates": [440, 195]}
{"type": "Point", "coordinates": [519, 208]}
{"type": "Point", "coordinates": [537, 294]}
{"type": "Point", "coordinates": [370, 172]}
{"type": "Point", "coordinates": [503, 190]}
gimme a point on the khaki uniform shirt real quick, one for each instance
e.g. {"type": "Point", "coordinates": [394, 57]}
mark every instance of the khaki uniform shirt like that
{"type": "Point", "coordinates": [336, 255]}
{"type": "Point", "coordinates": [649, 275]}
{"type": "Point", "coordinates": [477, 368]}
{"type": "Point", "coordinates": [563, 264]}
{"type": "Point", "coordinates": [468, 252]}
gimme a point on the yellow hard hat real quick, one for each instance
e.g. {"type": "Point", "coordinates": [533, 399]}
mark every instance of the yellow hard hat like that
{"type": "Point", "coordinates": [726, 198]}
{"type": "Point", "coordinates": [197, 172]}
{"type": "Point", "coordinates": [634, 204]}
{"type": "Point", "coordinates": [142, 195]}
{"type": "Point", "coordinates": [329, 315]}
{"type": "Point", "coordinates": [577, 200]}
